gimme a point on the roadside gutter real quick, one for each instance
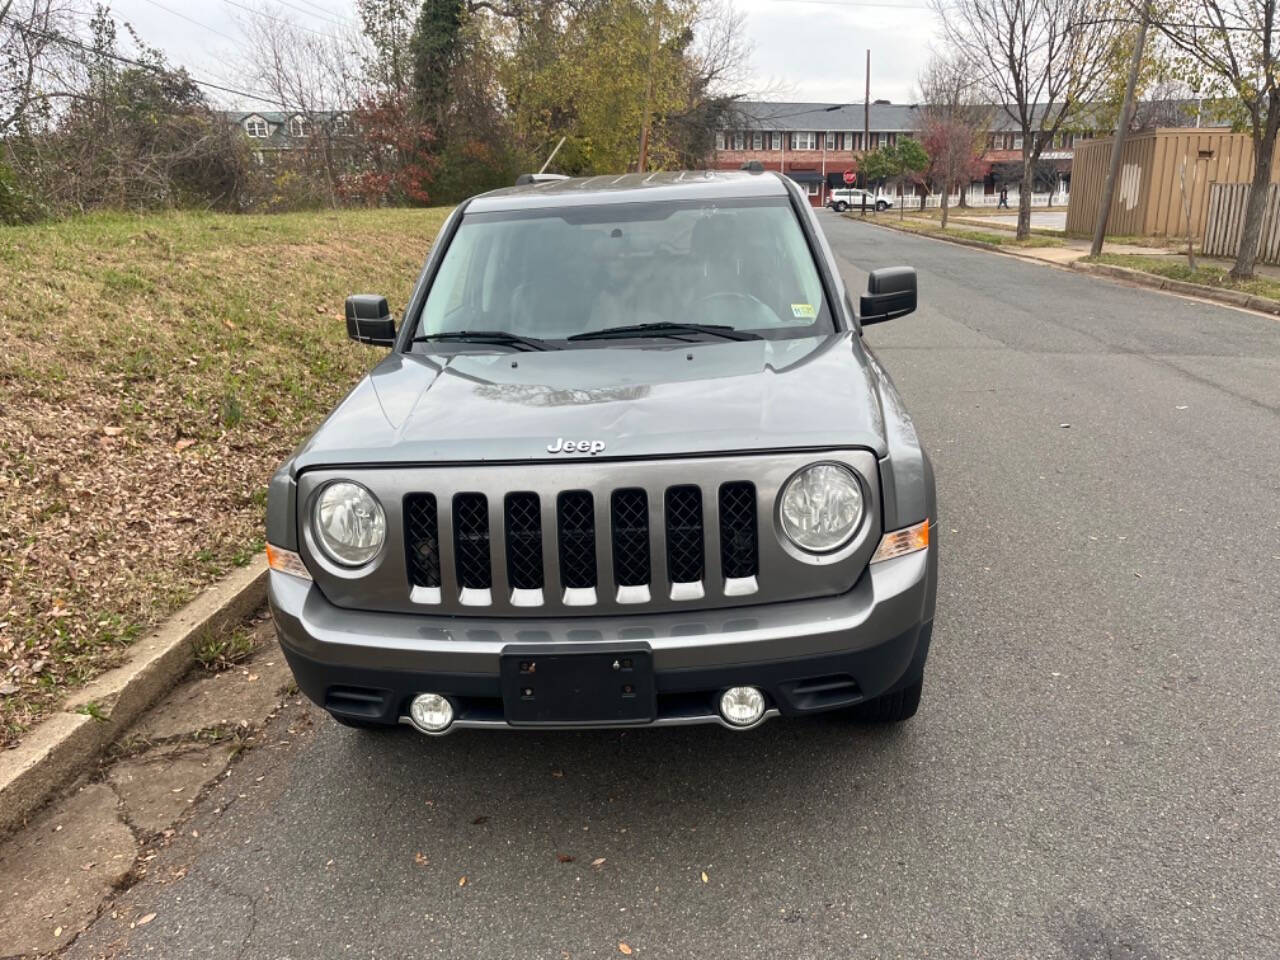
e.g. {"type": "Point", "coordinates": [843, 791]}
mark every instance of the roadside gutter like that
{"type": "Point", "coordinates": [1068, 258]}
{"type": "Point", "coordinates": [67, 744]}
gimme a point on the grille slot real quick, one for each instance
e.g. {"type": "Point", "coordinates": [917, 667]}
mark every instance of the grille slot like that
{"type": "Point", "coordinates": [523, 516]}
{"type": "Point", "coordinates": [471, 540]}
{"type": "Point", "coordinates": [738, 554]}
{"type": "Point", "coordinates": [577, 521]}
{"type": "Point", "coordinates": [422, 540]}
{"type": "Point", "coordinates": [686, 560]}
{"type": "Point", "coordinates": [629, 518]}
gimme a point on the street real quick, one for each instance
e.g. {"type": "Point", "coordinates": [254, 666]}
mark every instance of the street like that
{"type": "Point", "coordinates": [1093, 773]}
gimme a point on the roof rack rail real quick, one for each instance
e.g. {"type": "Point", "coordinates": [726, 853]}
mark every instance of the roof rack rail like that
{"type": "Point", "coordinates": [525, 178]}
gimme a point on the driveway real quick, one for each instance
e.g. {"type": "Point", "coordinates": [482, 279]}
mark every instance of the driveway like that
{"type": "Point", "coordinates": [1094, 771]}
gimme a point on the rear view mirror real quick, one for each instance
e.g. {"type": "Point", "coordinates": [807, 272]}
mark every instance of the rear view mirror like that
{"type": "Point", "coordinates": [369, 320]}
{"type": "Point", "coordinates": [891, 293]}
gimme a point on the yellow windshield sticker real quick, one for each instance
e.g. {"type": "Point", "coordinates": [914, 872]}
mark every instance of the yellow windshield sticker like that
{"type": "Point", "coordinates": [804, 310]}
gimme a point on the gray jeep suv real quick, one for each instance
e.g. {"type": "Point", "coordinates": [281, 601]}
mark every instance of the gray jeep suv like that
{"type": "Point", "coordinates": [627, 463]}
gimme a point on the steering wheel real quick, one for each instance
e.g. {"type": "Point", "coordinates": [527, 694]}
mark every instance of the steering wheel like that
{"type": "Point", "coordinates": [739, 295]}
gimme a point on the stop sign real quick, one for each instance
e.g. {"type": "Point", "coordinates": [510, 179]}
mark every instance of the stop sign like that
{"type": "Point", "coordinates": [850, 176]}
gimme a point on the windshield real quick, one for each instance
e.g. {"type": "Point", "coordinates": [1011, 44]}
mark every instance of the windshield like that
{"type": "Point", "coordinates": [553, 274]}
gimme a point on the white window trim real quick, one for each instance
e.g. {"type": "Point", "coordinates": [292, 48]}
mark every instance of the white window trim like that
{"type": "Point", "coordinates": [757, 140]}
{"type": "Point", "coordinates": [256, 122]}
{"type": "Point", "coordinates": [777, 140]}
{"type": "Point", "coordinates": [297, 125]}
{"type": "Point", "coordinates": [808, 140]}
{"type": "Point", "coordinates": [813, 188]}
{"type": "Point", "coordinates": [738, 141]}
{"type": "Point", "coordinates": [829, 140]}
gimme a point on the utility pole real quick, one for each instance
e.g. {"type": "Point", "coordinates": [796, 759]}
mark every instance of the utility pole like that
{"type": "Point", "coordinates": [648, 89]}
{"type": "Point", "coordinates": [1117, 142]}
{"type": "Point", "coordinates": [866, 109]}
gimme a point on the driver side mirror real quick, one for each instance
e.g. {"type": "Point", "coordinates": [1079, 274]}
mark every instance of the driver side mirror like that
{"type": "Point", "coordinates": [891, 293]}
{"type": "Point", "coordinates": [369, 320]}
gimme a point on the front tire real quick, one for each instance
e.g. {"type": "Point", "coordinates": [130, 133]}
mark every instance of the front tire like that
{"type": "Point", "coordinates": [881, 206]}
{"type": "Point", "coordinates": [841, 207]}
{"type": "Point", "coordinates": [891, 707]}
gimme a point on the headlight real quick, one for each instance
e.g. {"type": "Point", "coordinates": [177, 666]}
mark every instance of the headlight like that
{"type": "Point", "coordinates": [821, 507]}
{"type": "Point", "coordinates": [349, 523]}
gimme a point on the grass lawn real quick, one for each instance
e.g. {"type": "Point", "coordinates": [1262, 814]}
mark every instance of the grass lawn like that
{"type": "Point", "coordinates": [996, 237]}
{"type": "Point", "coordinates": [153, 372]}
{"type": "Point", "coordinates": [1175, 268]}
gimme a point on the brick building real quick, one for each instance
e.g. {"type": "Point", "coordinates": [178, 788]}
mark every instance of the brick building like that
{"type": "Point", "coordinates": [814, 143]}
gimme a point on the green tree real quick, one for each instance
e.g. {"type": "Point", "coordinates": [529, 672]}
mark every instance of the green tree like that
{"type": "Point", "coordinates": [896, 165]}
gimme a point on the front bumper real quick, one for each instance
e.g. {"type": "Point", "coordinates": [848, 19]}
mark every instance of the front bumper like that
{"type": "Point", "coordinates": [807, 655]}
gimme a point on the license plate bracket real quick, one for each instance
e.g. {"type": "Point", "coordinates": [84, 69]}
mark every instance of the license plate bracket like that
{"type": "Point", "coordinates": [586, 685]}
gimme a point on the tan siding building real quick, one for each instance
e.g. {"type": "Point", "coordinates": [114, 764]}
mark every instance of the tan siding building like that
{"type": "Point", "coordinates": [1149, 199]}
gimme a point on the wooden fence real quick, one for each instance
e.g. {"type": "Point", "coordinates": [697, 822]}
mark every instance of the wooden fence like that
{"type": "Point", "coordinates": [1226, 222]}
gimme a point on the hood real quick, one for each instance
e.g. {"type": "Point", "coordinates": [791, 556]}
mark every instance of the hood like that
{"type": "Point", "coordinates": [659, 400]}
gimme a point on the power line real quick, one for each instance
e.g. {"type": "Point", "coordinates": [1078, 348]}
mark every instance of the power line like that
{"type": "Point", "coordinates": [70, 41]}
{"type": "Point", "coordinates": [346, 21]}
{"type": "Point", "coordinates": [287, 23]}
{"type": "Point", "coordinates": [183, 16]}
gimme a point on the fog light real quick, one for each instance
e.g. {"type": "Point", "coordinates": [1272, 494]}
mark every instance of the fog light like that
{"type": "Point", "coordinates": [742, 706]}
{"type": "Point", "coordinates": [431, 713]}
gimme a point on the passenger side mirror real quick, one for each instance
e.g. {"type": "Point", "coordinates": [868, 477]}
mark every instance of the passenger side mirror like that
{"type": "Point", "coordinates": [369, 320]}
{"type": "Point", "coordinates": [891, 293]}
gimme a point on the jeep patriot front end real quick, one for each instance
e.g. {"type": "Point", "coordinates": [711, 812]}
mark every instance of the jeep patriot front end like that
{"type": "Point", "coordinates": [627, 463]}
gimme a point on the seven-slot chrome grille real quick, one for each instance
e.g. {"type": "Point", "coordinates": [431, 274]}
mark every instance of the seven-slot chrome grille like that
{"type": "Point", "coordinates": [575, 536]}
{"type": "Point", "coordinates": [586, 537]}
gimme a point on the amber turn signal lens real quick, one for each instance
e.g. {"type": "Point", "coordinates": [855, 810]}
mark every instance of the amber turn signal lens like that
{"type": "Point", "coordinates": [286, 561]}
{"type": "Point", "coordinates": [904, 541]}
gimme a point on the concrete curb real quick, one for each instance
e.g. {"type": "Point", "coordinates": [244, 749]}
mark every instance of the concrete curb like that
{"type": "Point", "coordinates": [64, 745]}
{"type": "Point", "coordinates": [963, 242]}
{"type": "Point", "coordinates": [1232, 298]}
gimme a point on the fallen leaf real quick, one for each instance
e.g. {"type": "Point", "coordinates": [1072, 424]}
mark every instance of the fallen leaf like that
{"type": "Point", "coordinates": [564, 858]}
{"type": "Point", "coordinates": [558, 774]}
{"type": "Point", "coordinates": [462, 881]}
{"type": "Point", "coordinates": [177, 789]}
{"type": "Point", "coordinates": [479, 820]}
{"type": "Point", "coordinates": [113, 431]}
{"type": "Point", "coordinates": [57, 931]}
{"type": "Point", "coordinates": [624, 949]}
{"type": "Point", "coordinates": [419, 858]}
{"type": "Point", "coordinates": [704, 877]}
{"type": "Point", "coordinates": [7, 689]}
{"type": "Point", "coordinates": [183, 444]}
{"type": "Point", "coordinates": [597, 861]}
{"type": "Point", "coordinates": [143, 921]}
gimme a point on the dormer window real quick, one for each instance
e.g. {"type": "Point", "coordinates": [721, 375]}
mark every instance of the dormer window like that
{"type": "Point", "coordinates": [297, 125]}
{"type": "Point", "coordinates": [256, 127]}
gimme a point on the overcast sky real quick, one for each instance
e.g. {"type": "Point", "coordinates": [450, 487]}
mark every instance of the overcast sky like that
{"type": "Point", "coordinates": [802, 49]}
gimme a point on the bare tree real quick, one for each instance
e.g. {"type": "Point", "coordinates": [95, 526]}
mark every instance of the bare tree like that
{"type": "Point", "coordinates": [30, 31]}
{"type": "Point", "coordinates": [1232, 45]}
{"type": "Point", "coordinates": [314, 78]}
{"type": "Point", "coordinates": [952, 123]}
{"type": "Point", "coordinates": [1039, 60]}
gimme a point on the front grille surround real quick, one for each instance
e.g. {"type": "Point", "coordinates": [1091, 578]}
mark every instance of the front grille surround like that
{"type": "Point", "coordinates": [392, 582]}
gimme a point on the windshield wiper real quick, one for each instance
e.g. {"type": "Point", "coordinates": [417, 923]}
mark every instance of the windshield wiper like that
{"type": "Point", "coordinates": [665, 329]}
{"type": "Point", "coordinates": [486, 336]}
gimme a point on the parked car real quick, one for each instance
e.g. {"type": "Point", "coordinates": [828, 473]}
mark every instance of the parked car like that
{"type": "Point", "coordinates": [842, 200]}
{"type": "Point", "coordinates": [627, 462]}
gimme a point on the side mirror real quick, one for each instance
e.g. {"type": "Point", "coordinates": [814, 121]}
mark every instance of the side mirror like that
{"type": "Point", "coordinates": [891, 293]}
{"type": "Point", "coordinates": [369, 320]}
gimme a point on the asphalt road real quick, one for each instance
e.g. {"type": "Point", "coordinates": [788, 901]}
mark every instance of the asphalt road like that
{"type": "Point", "coordinates": [1094, 772]}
